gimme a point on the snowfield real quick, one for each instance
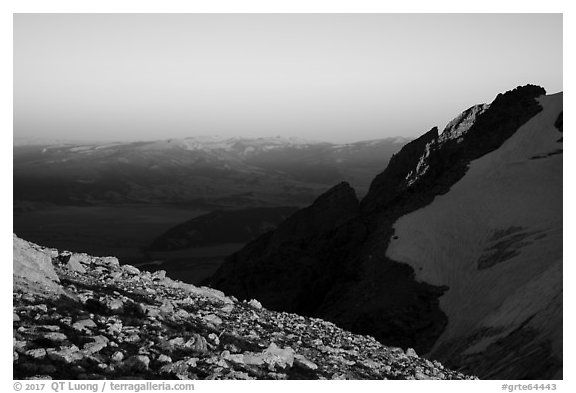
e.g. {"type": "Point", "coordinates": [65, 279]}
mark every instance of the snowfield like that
{"type": "Point", "coordinates": [496, 240]}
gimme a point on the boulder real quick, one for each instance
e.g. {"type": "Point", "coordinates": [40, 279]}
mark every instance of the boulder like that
{"type": "Point", "coordinates": [84, 324]}
{"type": "Point", "coordinates": [76, 263]}
{"type": "Point", "coordinates": [130, 270]}
{"type": "Point", "coordinates": [66, 355]}
{"type": "Point", "coordinates": [32, 267]}
{"type": "Point", "coordinates": [255, 303]}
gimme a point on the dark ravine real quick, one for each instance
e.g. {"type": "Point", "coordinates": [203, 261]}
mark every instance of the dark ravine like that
{"type": "Point", "coordinates": [83, 317]}
{"type": "Point", "coordinates": [340, 271]}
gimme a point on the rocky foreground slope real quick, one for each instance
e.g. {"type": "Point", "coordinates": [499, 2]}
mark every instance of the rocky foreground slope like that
{"type": "Point", "coordinates": [83, 317]}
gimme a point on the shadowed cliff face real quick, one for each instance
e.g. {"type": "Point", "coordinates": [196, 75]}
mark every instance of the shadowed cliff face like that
{"type": "Point", "coordinates": [288, 267]}
{"type": "Point", "coordinates": [339, 271]}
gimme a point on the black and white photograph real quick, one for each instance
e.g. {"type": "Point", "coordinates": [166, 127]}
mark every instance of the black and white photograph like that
{"type": "Point", "coordinates": [287, 196]}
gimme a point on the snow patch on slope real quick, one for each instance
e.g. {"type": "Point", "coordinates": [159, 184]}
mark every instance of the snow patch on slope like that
{"type": "Point", "coordinates": [211, 143]}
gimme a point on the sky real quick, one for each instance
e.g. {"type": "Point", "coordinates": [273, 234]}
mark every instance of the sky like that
{"type": "Point", "coordinates": [330, 77]}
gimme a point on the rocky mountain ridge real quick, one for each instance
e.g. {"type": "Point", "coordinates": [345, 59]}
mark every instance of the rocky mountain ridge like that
{"type": "Point", "coordinates": [83, 317]}
{"type": "Point", "coordinates": [345, 272]}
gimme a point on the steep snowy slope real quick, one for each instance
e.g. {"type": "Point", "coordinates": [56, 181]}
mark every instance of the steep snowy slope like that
{"type": "Point", "coordinates": [495, 239]}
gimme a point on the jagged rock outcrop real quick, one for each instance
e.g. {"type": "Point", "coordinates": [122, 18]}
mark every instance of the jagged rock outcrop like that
{"type": "Point", "coordinates": [116, 322]}
{"type": "Point", "coordinates": [456, 128]}
{"type": "Point", "coordinates": [407, 164]}
{"type": "Point", "coordinates": [348, 274]}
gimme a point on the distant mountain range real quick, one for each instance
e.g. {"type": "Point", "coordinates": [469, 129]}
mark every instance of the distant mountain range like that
{"type": "Point", "coordinates": [200, 171]}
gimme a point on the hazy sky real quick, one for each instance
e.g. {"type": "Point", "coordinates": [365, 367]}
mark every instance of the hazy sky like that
{"type": "Point", "coordinates": [334, 77]}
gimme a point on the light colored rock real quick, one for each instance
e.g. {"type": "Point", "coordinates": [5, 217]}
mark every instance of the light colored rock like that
{"type": "Point", "coordinates": [273, 357]}
{"type": "Point", "coordinates": [213, 319]}
{"type": "Point", "coordinates": [421, 376]}
{"type": "Point", "coordinates": [36, 353]}
{"type": "Point", "coordinates": [115, 306]}
{"type": "Point", "coordinates": [84, 324]}
{"type": "Point", "coordinates": [214, 338]}
{"type": "Point", "coordinates": [99, 343]}
{"type": "Point", "coordinates": [182, 314]}
{"type": "Point", "coordinates": [180, 368]}
{"type": "Point", "coordinates": [302, 362]}
{"type": "Point", "coordinates": [118, 356]}
{"type": "Point", "coordinates": [176, 342]}
{"type": "Point", "coordinates": [371, 364]}
{"type": "Point", "coordinates": [206, 292]}
{"type": "Point", "coordinates": [239, 375]}
{"type": "Point", "coordinates": [19, 345]}
{"type": "Point", "coordinates": [167, 307]}
{"type": "Point", "coordinates": [251, 359]}
{"type": "Point", "coordinates": [39, 308]}
{"type": "Point", "coordinates": [77, 263]}
{"type": "Point", "coordinates": [67, 354]}
{"type": "Point", "coordinates": [52, 252]}
{"type": "Point", "coordinates": [164, 359]}
{"type": "Point", "coordinates": [255, 303]}
{"type": "Point", "coordinates": [114, 327]}
{"type": "Point", "coordinates": [132, 338]}
{"type": "Point", "coordinates": [151, 311]}
{"type": "Point", "coordinates": [33, 266]}
{"type": "Point", "coordinates": [130, 270]}
{"type": "Point", "coordinates": [411, 353]}
{"type": "Point", "coordinates": [276, 356]}
{"type": "Point", "coordinates": [196, 343]}
{"type": "Point", "coordinates": [55, 337]}
{"type": "Point", "coordinates": [101, 269]}
{"type": "Point", "coordinates": [110, 262]}
{"type": "Point", "coordinates": [50, 328]}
